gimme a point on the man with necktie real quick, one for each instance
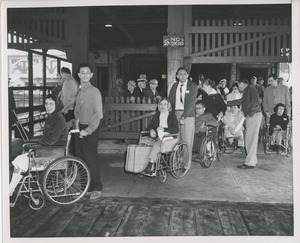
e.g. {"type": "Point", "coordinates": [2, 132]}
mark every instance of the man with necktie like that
{"type": "Point", "coordinates": [183, 95]}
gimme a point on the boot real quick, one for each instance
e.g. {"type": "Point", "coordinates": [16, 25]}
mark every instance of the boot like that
{"type": "Point", "coordinates": [275, 148]}
{"type": "Point", "coordinates": [271, 148]}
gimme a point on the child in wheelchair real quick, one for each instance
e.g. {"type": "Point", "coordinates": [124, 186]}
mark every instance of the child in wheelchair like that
{"type": "Point", "coordinates": [55, 133]}
{"type": "Point", "coordinates": [202, 121]}
{"type": "Point", "coordinates": [278, 128]}
{"type": "Point", "coordinates": [233, 121]}
{"type": "Point", "coordinates": [163, 122]}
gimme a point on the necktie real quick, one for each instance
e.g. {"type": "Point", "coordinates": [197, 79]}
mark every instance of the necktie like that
{"type": "Point", "coordinates": [181, 100]}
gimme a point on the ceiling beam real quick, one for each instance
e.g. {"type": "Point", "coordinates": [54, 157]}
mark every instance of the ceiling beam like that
{"type": "Point", "coordinates": [119, 26]}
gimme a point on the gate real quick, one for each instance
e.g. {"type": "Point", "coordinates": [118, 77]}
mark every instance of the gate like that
{"type": "Point", "coordinates": [123, 119]}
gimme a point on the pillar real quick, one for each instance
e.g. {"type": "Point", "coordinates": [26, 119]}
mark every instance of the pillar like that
{"type": "Point", "coordinates": [174, 54]}
{"type": "Point", "coordinates": [77, 29]}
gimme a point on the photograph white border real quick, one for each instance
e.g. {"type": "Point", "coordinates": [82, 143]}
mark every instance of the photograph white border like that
{"type": "Point", "coordinates": [295, 75]}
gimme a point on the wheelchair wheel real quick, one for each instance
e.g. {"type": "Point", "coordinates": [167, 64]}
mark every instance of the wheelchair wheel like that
{"type": "Point", "coordinates": [179, 161]}
{"type": "Point", "coordinates": [207, 152]}
{"type": "Point", "coordinates": [162, 175]}
{"type": "Point", "coordinates": [36, 201]}
{"type": "Point", "coordinates": [66, 180]}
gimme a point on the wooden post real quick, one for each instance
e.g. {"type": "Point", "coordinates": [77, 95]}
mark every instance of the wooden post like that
{"type": "Point", "coordinates": [77, 29]}
{"type": "Point", "coordinates": [174, 54]}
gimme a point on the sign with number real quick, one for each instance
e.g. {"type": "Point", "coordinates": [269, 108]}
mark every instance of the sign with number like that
{"type": "Point", "coordinates": [173, 41]}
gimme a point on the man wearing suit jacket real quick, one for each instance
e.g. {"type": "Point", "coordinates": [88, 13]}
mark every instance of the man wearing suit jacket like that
{"type": "Point", "coordinates": [183, 95]}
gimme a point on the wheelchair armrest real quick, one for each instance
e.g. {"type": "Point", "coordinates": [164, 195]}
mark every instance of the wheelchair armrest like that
{"type": "Point", "coordinates": [175, 135]}
{"type": "Point", "coordinates": [144, 133]}
{"type": "Point", "coordinates": [28, 144]}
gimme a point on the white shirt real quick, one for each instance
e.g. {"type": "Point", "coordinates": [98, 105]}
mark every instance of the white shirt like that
{"type": "Point", "coordinates": [178, 104]}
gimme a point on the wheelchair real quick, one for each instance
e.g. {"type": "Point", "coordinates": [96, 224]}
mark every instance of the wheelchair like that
{"type": "Point", "coordinates": [223, 143]}
{"type": "Point", "coordinates": [53, 174]}
{"type": "Point", "coordinates": [173, 157]}
{"type": "Point", "coordinates": [208, 149]}
{"type": "Point", "coordinates": [286, 143]}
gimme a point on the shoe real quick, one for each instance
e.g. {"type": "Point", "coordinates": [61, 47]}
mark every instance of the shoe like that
{"type": "Point", "coordinates": [148, 169]}
{"type": "Point", "coordinates": [95, 195]}
{"type": "Point", "coordinates": [244, 166]}
{"type": "Point", "coordinates": [88, 194]}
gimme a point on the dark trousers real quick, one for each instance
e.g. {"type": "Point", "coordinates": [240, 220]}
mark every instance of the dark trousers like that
{"type": "Point", "coordinates": [87, 150]}
{"type": "Point", "coordinates": [69, 116]}
{"type": "Point", "coordinates": [198, 138]}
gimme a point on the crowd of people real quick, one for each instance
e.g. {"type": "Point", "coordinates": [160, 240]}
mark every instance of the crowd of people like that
{"type": "Point", "coordinates": [189, 109]}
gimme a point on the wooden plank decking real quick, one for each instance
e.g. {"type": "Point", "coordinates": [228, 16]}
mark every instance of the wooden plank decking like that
{"type": "Point", "coordinates": [151, 217]}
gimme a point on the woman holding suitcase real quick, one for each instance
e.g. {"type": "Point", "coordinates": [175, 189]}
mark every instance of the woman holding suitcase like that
{"type": "Point", "coordinates": [163, 122]}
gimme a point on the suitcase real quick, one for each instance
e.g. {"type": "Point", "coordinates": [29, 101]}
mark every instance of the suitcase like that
{"type": "Point", "coordinates": [137, 158]}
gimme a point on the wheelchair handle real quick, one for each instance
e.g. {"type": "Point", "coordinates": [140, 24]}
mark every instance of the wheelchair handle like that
{"type": "Point", "coordinates": [74, 131]}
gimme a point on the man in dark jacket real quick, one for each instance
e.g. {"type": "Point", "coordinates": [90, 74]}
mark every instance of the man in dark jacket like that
{"type": "Point", "coordinates": [253, 117]}
{"type": "Point", "coordinates": [183, 95]}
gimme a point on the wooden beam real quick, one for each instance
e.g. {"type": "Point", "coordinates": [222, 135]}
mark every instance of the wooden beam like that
{"type": "Point", "coordinates": [35, 34]}
{"type": "Point", "coordinates": [37, 45]}
{"type": "Point", "coordinates": [136, 118]}
{"type": "Point", "coordinates": [246, 59]}
{"type": "Point", "coordinates": [130, 107]}
{"type": "Point", "coordinates": [119, 135]}
{"type": "Point", "coordinates": [36, 16]}
{"type": "Point", "coordinates": [285, 29]}
{"type": "Point", "coordinates": [119, 26]}
{"type": "Point", "coordinates": [267, 36]}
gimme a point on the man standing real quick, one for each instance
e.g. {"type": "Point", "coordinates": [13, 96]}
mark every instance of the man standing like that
{"type": "Point", "coordinates": [253, 117]}
{"type": "Point", "coordinates": [117, 90]}
{"type": "Point", "coordinates": [259, 88]}
{"type": "Point", "coordinates": [68, 93]}
{"type": "Point", "coordinates": [88, 113]}
{"type": "Point", "coordinates": [183, 95]}
{"type": "Point", "coordinates": [274, 94]}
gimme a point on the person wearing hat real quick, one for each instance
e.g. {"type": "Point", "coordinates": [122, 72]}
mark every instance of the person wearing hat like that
{"type": "Point", "coordinates": [222, 89]}
{"type": "Point", "coordinates": [152, 92]}
{"type": "Point", "coordinates": [141, 85]}
{"type": "Point", "coordinates": [131, 85]}
{"type": "Point", "coordinates": [253, 116]}
{"type": "Point", "coordinates": [233, 125]}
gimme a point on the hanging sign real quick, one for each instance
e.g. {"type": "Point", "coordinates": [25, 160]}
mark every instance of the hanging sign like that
{"type": "Point", "coordinates": [173, 41]}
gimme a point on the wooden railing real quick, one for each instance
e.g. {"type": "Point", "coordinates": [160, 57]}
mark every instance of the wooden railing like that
{"type": "Point", "coordinates": [239, 40]}
{"type": "Point", "coordinates": [124, 119]}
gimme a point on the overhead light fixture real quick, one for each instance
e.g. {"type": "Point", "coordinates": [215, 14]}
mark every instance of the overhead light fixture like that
{"type": "Point", "coordinates": [108, 25]}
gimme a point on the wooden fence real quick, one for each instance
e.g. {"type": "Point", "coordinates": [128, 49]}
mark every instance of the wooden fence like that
{"type": "Point", "coordinates": [124, 119]}
{"type": "Point", "coordinates": [239, 40]}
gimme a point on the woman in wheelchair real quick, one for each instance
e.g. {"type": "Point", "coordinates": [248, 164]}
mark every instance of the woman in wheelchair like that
{"type": "Point", "coordinates": [202, 120]}
{"type": "Point", "coordinates": [233, 125]}
{"type": "Point", "coordinates": [163, 122]}
{"type": "Point", "coordinates": [55, 133]}
{"type": "Point", "coordinates": [278, 127]}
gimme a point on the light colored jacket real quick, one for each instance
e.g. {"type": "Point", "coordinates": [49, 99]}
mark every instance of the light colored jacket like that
{"type": "Point", "coordinates": [69, 93]}
{"type": "Point", "coordinates": [275, 95]}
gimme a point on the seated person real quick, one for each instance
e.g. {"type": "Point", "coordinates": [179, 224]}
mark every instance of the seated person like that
{"type": "Point", "coordinates": [55, 133]}
{"type": "Point", "coordinates": [164, 121]}
{"type": "Point", "coordinates": [233, 121]}
{"type": "Point", "coordinates": [202, 119]}
{"type": "Point", "coordinates": [278, 126]}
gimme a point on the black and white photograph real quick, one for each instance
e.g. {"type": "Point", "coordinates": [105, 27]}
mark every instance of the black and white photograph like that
{"type": "Point", "coordinates": [149, 121]}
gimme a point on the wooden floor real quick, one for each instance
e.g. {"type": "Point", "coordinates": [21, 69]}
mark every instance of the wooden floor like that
{"type": "Point", "coordinates": [151, 217]}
